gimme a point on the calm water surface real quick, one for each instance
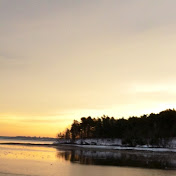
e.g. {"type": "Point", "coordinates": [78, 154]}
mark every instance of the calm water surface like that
{"type": "Point", "coordinates": [25, 141]}
{"type": "Point", "coordinates": [45, 161]}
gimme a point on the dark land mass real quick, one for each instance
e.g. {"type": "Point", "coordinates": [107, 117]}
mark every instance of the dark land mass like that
{"type": "Point", "coordinates": [152, 129]}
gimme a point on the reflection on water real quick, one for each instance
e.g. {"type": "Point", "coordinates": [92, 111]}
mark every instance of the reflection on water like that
{"type": "Point", "coordinates": [120, 158]}
{"type": "Point", "coordinates": [47, 161]}
{"type": "Point", "coordinates": [25, 141]}
{"type": "Point", "coordinates": [25, 152]}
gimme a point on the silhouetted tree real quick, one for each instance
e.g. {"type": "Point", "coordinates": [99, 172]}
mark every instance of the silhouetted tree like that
{"type": "Point", "coordinates": [154, 129]}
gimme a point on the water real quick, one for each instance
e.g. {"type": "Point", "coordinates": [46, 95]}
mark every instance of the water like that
{"type": "Point", "coordinates": [16, 160]}
{"type": "Point", "coordinates": [25, 141]}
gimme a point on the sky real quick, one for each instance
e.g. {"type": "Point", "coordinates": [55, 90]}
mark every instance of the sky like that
{"type": "Point", "coordinates": [63, 60]}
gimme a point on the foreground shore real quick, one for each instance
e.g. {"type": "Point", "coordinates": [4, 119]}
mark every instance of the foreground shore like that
{"type": "Point", "coordinates": [98, 147]}
{"type": "Point", "coordinates": [150, 149]}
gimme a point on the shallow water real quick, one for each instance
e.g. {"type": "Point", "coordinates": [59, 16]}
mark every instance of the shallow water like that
{"type": "Point", "coordinates": [47, 161]}
{"type": "Point", "coordinates": [25, 141]}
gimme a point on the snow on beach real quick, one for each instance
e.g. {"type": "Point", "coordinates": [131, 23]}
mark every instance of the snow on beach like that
{"type": "Point", "coordinates": [128, 148]}
{"type": "Point", "coordinates": [115, 144]}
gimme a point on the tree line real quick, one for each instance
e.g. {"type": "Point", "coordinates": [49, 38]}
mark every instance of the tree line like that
{"type": "Point", "coordinates": [151, 129]}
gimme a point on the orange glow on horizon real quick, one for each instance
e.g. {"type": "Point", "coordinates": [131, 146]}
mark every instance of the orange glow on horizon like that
{"type": "Point", "coordinates": [43, 127]}
{"type": "Point", "coordinates": [61, 61]}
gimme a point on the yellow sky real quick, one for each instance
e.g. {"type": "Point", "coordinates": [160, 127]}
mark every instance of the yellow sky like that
{"type": "Point", "coordinates": [61, 60]}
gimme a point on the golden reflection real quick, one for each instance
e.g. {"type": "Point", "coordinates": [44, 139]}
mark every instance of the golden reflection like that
{"type": "Point", "coordinates": [29, 153]}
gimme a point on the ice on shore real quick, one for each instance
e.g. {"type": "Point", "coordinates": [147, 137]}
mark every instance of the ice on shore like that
{"type": "Point", "coordinates": [116, 144]}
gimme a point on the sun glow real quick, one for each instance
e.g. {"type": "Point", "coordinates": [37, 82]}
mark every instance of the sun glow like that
{"type": "Point", "coordinates": [61, 61]}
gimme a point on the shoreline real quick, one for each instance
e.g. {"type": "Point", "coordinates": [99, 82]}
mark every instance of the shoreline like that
{"type": "Point", "coordinates": [26, 144]}
{"type": "Point", "coordinates": [119, 148]}
{"type": "Point", "coordinates": [100, 147]}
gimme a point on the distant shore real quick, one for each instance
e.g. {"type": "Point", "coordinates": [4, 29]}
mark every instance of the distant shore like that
{"type": "Point", "coordinates": [27, 144]}
{"type": "Point", "coordinates": [99, 147]}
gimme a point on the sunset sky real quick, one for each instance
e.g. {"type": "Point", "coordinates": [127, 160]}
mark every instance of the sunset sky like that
{"type": "Point", "coordinates": [61, 60]}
